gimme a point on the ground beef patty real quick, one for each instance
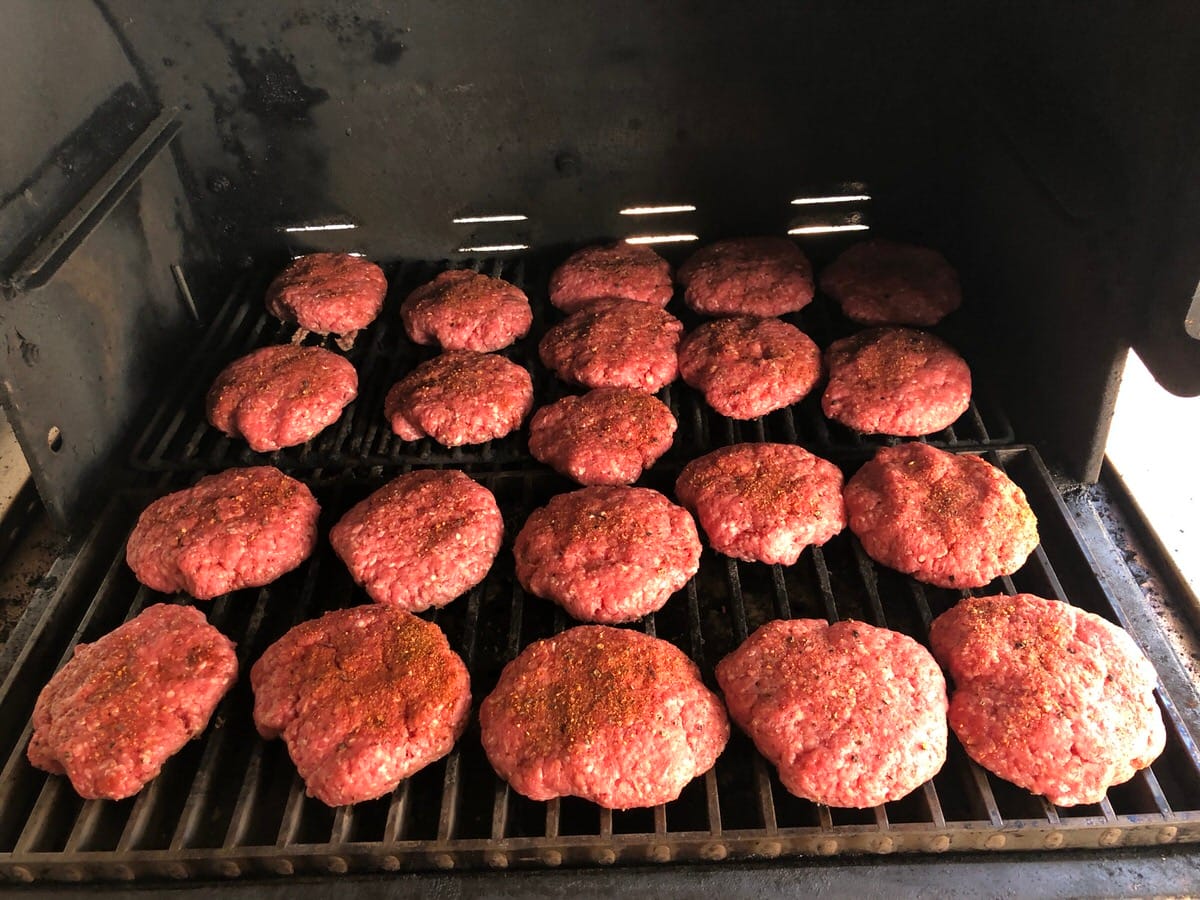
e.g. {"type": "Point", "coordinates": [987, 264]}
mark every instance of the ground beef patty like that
{"type": "Point", "coordinates": [763, 502]}
{"type": "Point", "coordinates": [952, 521]}
{"type": "Point", "coordinates": [126, 704]}
{"type": "Point", "coordinates": [881, 282]}
{"type": "Point", "coordinates": [614, 343]}
{"type": "Point", "coordinates": [853, 715]}
{"type": "Point", "coordinates": [363, 698]}
{"type": "Point", "coordinates": [607, 553]}
{"type": "Point", "coordinates": [420, 540]}
{"type": "Point", "coordinates": [460, 397]}
{"type": "Point", "coordinates": [618, 270]}
{"type": "Point", "coordinates": [607, 436]}
{"type": "Point", "coordinates": [463, 310]}
{"type": "Point", "coordinates": [895, 381]}
{"type": "Point", "coordinates": [1047, 696]}
{"type": "Point", "coordinates": [329, 293]}
{"type": "Point", "coordinates": [757, 276]}
{"type": "Point", "coordinates": [607, 714]}
{"type": "Point", "coordinates": [281, 396]}
{"type": "Point", "coordinates": [239, 528]}
{"type": "Point", "coordinates": [747, 367]}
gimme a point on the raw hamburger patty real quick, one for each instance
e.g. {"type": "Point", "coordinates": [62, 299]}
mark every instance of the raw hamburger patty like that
{"type": "Point", "coordinates": [607, 553]}
{"type": "Point", "coordinates": [747, 367]}
{"type": "Point", "coordinates": [763, 502]}
{"type": "Point", "coordinates": [239, 528]}
{"type": "Point", "coordinates": [281, 396]}
{"type": "Point", "coordinates": [460, 397]}
{"type": "Point", "coordinates": [757, 276]}
{"type": "Point", "coordinates": [614, 343]}
{"type": "Point", "coordinates": [420, 540]}
{"type": "Point", "coordinates": [881, 282]}
{"type": "Point", "coordinates": [619, 270]}
{"type": "Point", "coordinates": [607, 436]}
{"type": "Point", "coordinates": [895, 381]}
{"type": "Point", "coordinates": [1052, 698]}
{"type": "Point", "coordinates": [853, 715]}
{"type": "Point", "coordinates": [607, 714]}
{"type": "Point", "coordinates": [126, 704]}
{"type": "Point", "coordinates": [329, 293]}
{"type": "Point", "coordinates": [363, 698]}
{"type": "Point", "coordinates": [952, 521]}
{"type": "Point", "coordinates": [463, 310]}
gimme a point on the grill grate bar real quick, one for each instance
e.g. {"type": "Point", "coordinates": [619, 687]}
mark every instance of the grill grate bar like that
{"type": "Point", "coordinates": [1106, 807]}
{"type": "Point", "coordinates": [1160, 799]}
{"type": "Point", "coordinates": [606, 822]}
{"type": "Point", "coordinates": [289, 825]}
{"type": "Point", "coordinates": [343, 824]}
{"type": "Point", "coordinates": [1049, 811]}
{"type": "Point", "coordinates": [393, 826]}
{"type": "Point", "coordinates": [818, 557]}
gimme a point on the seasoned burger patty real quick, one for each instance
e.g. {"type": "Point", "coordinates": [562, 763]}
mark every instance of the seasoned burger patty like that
{"type": "Point", "coordinates": [895, 381]}
{"type": "Point", "coordinates": [126, 704]}
{"type": "Point", "coordinates": [607, 553]}
{"type": "Point", "coordinates": [463, 310]}
{"type": "Point", "coordinates": [619, 270]}
{"type": "Point", "coordinates": [236, 529]}
{"type": "Point", "coordinates": [607, 436]}
{"type": "Point", "coordinates": [1052, 698]}
{"type": "Point", "coordinates": [756, 276]}
{"type": "Point", "coordinates": [614, 343]}
{"type": "Point", "coordinates": [329, 293]}
{"type": "Point", "coordinates": [952, 521]}
{"type": "Point", "coordinates": [880, 282]}
{"type": "Point", "coordinates": [460, 397]}
{"type": "Point", "coordinates": [363, 698]}
{"type": "Point", "coordinates": [763, 502]}
{"type": "Point", "coordinates": [420, 540]}
{"type": "Point", "coordinates": [853, 715]}
{"type": "Point", "coordinates": [610, 715]}
{"type": "Point", "coordinates": [281, 396]}
{"type": "Point", "coordinates": [747, 367]}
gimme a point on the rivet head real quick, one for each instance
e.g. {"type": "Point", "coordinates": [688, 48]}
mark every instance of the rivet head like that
{"type": "Point", "coordinates": [22, 873]}
{"type": "Point", "coordinates": [443, 861]}
{"type": "Point", "coordinates": [496, 860]}
{"type": "Point", "coordinates": [1110, 836]}
{"type": "Point", "coordinates": [390, 863]}
{"type": "Point", "coordinates": [552, 858]}
{"type": "Point", "coordinates": [337, 865]}
{"type": "Point", "coordinates": [177, 871]}
{"type": "Point", "coordinates": [125, 873]}
{"type": "Point", "coordinates": [661, 853]}
{"type": "Point", "coordinates": [1054, 839]}
{"type": "Point", "coordinates": [939, 844]}
{"type": "Point", "coordinates": [606, 857]}
{"type": "Point", "coordinates": [827, 847]}
{"type": "Point", "coordinates": [996, 842]}
{"type": "Point", "coordinates": [884, 845]}
{"type": "Point", "coordinates": [282, 867]}
{"type": "Point", "coordinates": [769, 849]}
{"type": "Point", "coordinates": [1167, 833]}
{"type": "Point", "coordinates": [229, 869]}
{"type": "Point", "coordinates": [714, 852]}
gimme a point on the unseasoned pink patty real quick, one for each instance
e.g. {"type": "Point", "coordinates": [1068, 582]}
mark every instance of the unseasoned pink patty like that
{"type": "Point", "coordinates": [607, 553]}
{"type": "Point", "coordinates": [881, 282]}
{"type": "Point", "coordinates": [422, 539]}
{"type": "Point", "coordinates": [895, 381]}
{"type": "Point", "coordinates": [460, 397]}
{"type": "Point", "coordinates": [463, 310]}
{"type": "Point", "coordinates": [328, 293]}
{"type": "Point", "coordinates": [747, 367]}
{"type": "Point", "coordinates": [281, 396]}
{"type": "Point", "coordinates": [614, 343]}
{"type": "Point", "coordinates": [237, 529]}
{"type": "Point", "coordinates": [618, 270]}
{"type": "Point", "coordinates": [948, 520]}
{"type": "Point", "coordinates": [607, 714]}
{"type": "Point", "coordinates": [763, 502]}
{"type": "Point", "coordinates": [853, 715]}
{"type": "Point", "coordinates": [1052, 698]}
{"type": "Point", "coordinates": [607, 436]}
{"type": "Point", "coordinates": [756, 276]}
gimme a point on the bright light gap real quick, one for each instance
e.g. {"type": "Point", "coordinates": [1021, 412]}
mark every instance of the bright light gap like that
{"type": "Point", "coordinates": [477, 220]}
{"type": "Point", "coordinates": [656, 210]}
{"type": "Point", "coordinates": [661, 238]}
{"type": "Point", "coordinates": [492, 248]}
{"type": "Point", "coordinates": [334, 226]}
{"type": "Point", "coordinates": [843, 198]}
{"type": "Point", "coordinates": [826, 229]}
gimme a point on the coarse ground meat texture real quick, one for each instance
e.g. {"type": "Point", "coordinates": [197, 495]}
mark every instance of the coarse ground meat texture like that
{"type": "Point", "coordinates": [1049, 697]}
{"type": "Point", "coordinates": [239, 528]}
{"type": "Point", "coordinates": [951, 521]}
{"type": "Point", "coordinates": [607, 553]}
{"type": "Point", "coordinates": [124, 705]}
{"type": "Point", "coordinates": [281, 396]}
{"type": "Point", "coordinates": [460, 397]}
{"type": "Point", "coordinates": [747, 367]}
{"type": "Point", "coordinates": [463, 310]}
{"type": "Point", "coordinates": [763, 502]}
{"type": "Point", "coordinates": [607, 436]}
{"type": "Point", "coordinates": [422, 539]}
{"type": "Point", "coordinates": [619, 270]}
{"type": "Point", "coordinates": [363, 698]}
{"type": "Point", "coordinates": [610, 715]}
{"type": "Point", "coordinates": [852, 715]}
{"type": "Point", "coordinates": [882, 282]}
{"type": "Point", "coordinates": [895, 381]}
{"type": "Point", "coordinates": [614, 343]}
{"type": "Point", "coordinates": [756, 276]}
{"type": "Point", "coordinates": [328, 293]}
